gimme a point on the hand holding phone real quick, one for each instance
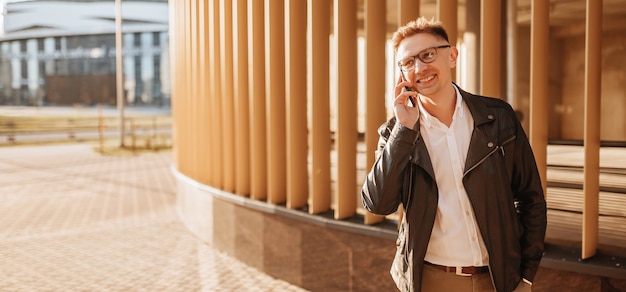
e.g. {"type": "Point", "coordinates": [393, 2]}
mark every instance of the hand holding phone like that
{"type": "Point", "coordinates": [407, 89]}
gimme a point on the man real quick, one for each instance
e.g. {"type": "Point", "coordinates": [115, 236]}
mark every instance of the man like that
{"type": "Point", "coordinates": [462, 167]}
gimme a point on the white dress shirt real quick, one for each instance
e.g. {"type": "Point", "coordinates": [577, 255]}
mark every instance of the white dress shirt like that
{"type": "Point", "coordinates": [455, 239]}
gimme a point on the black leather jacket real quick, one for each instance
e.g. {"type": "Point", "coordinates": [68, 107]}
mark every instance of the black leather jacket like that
{"type": "Point", "coordinates": [501, 180]}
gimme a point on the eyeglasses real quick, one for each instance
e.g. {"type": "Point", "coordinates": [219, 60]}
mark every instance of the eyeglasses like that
{"type": "Point", "coordinates": [427, 55]}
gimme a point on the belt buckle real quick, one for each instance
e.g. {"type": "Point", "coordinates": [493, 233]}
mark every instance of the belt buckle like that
{"type": "Point", "coordinates": [459, 272]}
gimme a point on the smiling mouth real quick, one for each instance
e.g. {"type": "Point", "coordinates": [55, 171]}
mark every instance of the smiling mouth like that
{"type": "Point", "coordinates": [426, 79]}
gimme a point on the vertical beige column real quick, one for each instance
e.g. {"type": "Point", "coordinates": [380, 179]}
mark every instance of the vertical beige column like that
{"type": "Point", "coordinates": [511, 54]}
{"type": "Point", "coordinates": [375, 114]}
{"type": "Point", "coordinates": [227, 96]}
{"type": "Point", "coordinates": [447, 13]}
{"type": "Point", "coordinates": [185, 96]}
{"type": "Point", "coordinates": [192, 99]}
{"type": "Point", "coordinates": [490, 44]}
{"type": "Point", "coordinates": [180, 101]}
{"type": "Point", "coordinates": [539, 34]}
{"type": "Point", "coordinates": [195, 88]}
{"type": "Point", "coordinates": [205, 141]}
{"type": "Point", "coordinates": [242, 104]}
{"type": "Point", "coordinates": [216, 92]}
{"type": "Point", "coordinates": [470, 80]}
{"type": "Point", "coordinates": [593, 94]}
{"type": "Point", "coordinates": [408, 10]}
{"type": "Point", "coordinates": [297, 144]}
{"type": "Point", "coordinates": [346, 69]}
{"type": "Point", "coordinates": [256, 82]}
{"type": "Point", "coordinates": [275, 91]}
{"type": "Point", "coordinates": [318, 95]}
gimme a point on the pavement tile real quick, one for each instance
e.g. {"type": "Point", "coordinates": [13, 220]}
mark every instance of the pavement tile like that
{"type": "Point", "coordinates": [74, 220]}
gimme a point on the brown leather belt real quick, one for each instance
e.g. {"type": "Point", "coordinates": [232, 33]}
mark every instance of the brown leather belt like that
{"type": "Point", "coordinates": [461, 271]}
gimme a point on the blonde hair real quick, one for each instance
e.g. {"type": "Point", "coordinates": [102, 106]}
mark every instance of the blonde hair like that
{"type": "Point", "coordinates": [420, 25]}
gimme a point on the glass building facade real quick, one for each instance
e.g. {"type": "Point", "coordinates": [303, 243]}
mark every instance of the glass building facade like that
{"type": "Point", "coordinates": [73, 62]}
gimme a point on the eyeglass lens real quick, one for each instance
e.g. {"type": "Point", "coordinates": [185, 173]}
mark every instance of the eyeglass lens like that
{"type": "Point", "coordinates": [428, 55]}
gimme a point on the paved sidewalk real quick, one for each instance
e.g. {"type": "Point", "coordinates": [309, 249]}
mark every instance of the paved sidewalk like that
{"type": "Point", "coordinates": [74, 220]}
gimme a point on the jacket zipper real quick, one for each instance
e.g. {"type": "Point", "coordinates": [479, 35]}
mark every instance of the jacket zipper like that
{"type": "Point", "coordinates": [481, 161]}
{"type": "Point", "coordinates": [499, 147]}
{"type": "Point", "coordinates": [476, 165]}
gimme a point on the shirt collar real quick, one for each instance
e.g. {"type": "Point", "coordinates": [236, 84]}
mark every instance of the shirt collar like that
{"type": "Point", "coordinates": [458, 108]}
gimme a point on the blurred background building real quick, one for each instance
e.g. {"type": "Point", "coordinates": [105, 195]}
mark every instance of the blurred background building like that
{"type": "Point", "coordinates": [63, 52]}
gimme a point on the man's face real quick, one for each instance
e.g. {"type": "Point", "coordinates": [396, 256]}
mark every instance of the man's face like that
{"type": "Point", "coordinates": [427, 78]}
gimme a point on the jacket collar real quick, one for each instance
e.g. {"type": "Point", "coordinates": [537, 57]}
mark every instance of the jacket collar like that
{"type": "Point", "coordinates": [481, 143]}
{"type": "Point", "coordinates": [480, 112]}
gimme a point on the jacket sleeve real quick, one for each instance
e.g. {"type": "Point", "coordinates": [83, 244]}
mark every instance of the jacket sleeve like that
{"type": "Point", "coordinates": [531, 205]}
{"type": "Point", "coordinates": [383, 188]}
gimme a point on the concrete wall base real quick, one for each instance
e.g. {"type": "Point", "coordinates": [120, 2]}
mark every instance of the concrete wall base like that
{"type": "Point", "coordinates": [317, 253]}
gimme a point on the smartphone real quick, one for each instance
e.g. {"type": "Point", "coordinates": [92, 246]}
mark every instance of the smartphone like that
{"type": "Point", "coordinates": [407, 89]}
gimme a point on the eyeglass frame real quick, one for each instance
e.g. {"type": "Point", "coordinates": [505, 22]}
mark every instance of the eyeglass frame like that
{"type": "Point", "coordinates": [417, 56]}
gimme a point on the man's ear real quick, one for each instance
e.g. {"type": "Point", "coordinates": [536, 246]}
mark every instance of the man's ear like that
{"type": "Point", "coordinates": [454, 55]}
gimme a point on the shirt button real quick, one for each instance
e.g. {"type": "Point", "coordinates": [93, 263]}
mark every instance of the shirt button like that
{"type": "Point", "coordinates": [490, 117]}
{"type": "Point", "coordinates": [490, 144]}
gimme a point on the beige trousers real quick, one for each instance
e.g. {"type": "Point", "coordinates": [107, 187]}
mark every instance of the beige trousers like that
{"type": "Point", "coordinates": [435, 280]}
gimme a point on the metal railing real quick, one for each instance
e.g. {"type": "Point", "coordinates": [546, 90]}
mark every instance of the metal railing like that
{"type": "Point", "coordinates": [143, 132]}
